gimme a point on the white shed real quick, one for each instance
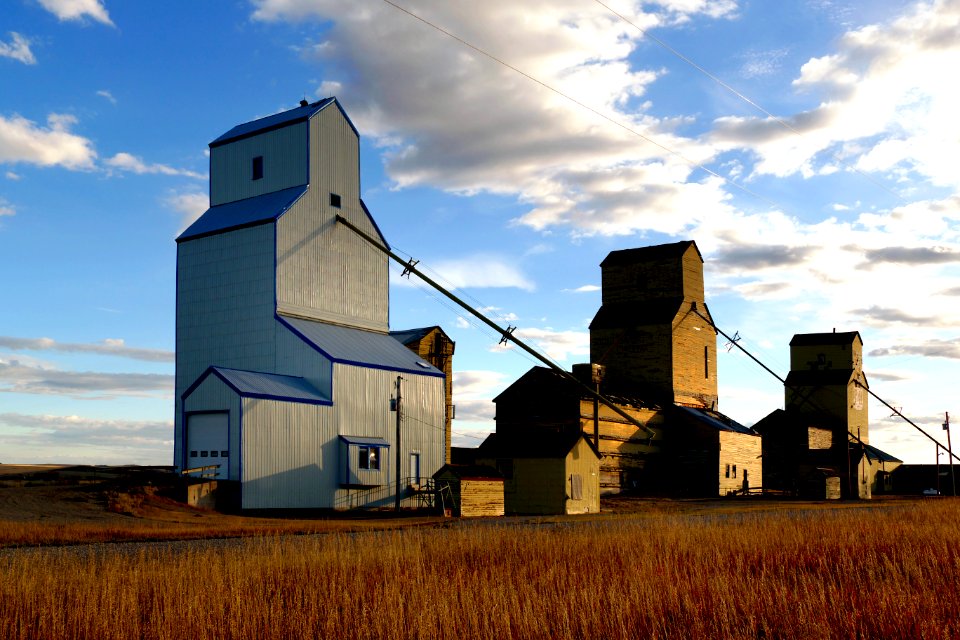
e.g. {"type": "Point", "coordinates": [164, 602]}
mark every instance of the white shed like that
{"type": "Point", "coordinates": [283, 349]}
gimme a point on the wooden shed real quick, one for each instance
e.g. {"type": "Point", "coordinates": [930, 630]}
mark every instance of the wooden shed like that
{"type": "Point", "coordinates": [545, 472]}
{"type": "Point", "coordinates": [470, 490]}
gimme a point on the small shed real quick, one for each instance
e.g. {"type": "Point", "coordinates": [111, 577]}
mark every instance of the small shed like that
{"type": "Point", "coordinates": [545, 472]}
{"type": "Point", "coordinates": [470, 490]}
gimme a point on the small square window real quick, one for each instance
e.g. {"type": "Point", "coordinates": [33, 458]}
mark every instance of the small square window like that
{"type": "Point", "coordinates": [257, 172]}
{"type": "Point", "coordinates": [213, 454]}
{"type": "Point", "coordinates": [334, 200]}
{"type": "Point", "coordinates": [224, 454]}
{"type": "Point", "coordinates": [193, 454]}
{"type": "Point", "coordinates": [203, 454]}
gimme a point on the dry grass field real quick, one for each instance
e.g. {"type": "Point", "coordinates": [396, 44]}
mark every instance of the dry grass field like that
{"type": "Point", "coordinates": [887, 569]}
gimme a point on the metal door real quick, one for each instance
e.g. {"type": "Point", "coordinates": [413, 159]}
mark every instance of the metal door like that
{"type": "Point", "coordinates": [208, 442]}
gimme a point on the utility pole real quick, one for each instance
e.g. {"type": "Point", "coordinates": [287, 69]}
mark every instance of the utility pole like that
{"type": "Point", "coordinates": [398, 462]}
{"type": "Point", "coordinates": [953, 477]}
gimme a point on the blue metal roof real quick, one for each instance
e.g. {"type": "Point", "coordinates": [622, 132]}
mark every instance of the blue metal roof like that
{"type": "Point", "coordinates": [275, 121]}
{"type": "Point", "coordinates": [376, 442]}
{"type": "Point", "coordinates": [270, 386]}
{"type": "Point", "coordinates": [243, 213]}
{"type": "Point", "coordinates": [361, 348]}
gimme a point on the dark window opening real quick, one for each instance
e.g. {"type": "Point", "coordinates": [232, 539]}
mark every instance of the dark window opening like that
{"type": "Point", "coordinates": [224, 454]}
{"type": "Point", "coordinates": [334, 200]}
{"type": "Point", "coordinates": [734, 471]}
{"type": "Point", "coordinates": [369, 458]}
{"type": "Point", "coordinates": [728, 471]}
{"type": "Point", "coordinates": [203, 454]}
{"type": "Point", "coordinates": [213, 454]}
{"type": "Point", "coordinates": [193, 454]}
{"type": "Point", "coordinates": [257, 173]}
{"type": "Point", "coordinates": [706, 362]}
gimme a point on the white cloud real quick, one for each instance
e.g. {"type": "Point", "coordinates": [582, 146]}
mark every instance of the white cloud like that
{"type": "Point", "coordinates": [17, 49]}
{"type": "Point", "coordinates": [476, 271]}
{"type": "Point", "coordinates": [10, 175]}
{"type": "Point", "coordinates": [885, 105]}
{"type": "Point", "coordinates": [587, 288]}
{"type": "Point", "coordinates": [473, 393]}
{"type": "Point", "coordinates": [30, 438]}
{"type": "Point", "coordinates": [6, 209]}
{"type": "Point", "coordinates": [77, 10]}
{"type": "Point", "coordinates": [190, 206]}
{"type": "Point", "coordinates": [556, 345]}
{"type": "Point", "coordinates": [22, 140]}
{"type": "Point", "coordinates": [25, 375]}
{"type": "Point", "coordinates": [503, 133]}
{"type": "Point", "coordinates": [127, 162]}
{"type": "Point", "coordinates": [103, 93]}
{"type": "Point", "coordinates": [109, 347]}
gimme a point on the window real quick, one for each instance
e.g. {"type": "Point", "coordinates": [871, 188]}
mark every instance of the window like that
{"type": "Point", "coordinates": [734, 471]}
{"type": "Point", "coordinates": [213, 454]}
{"type": "Point", "coordinates": [193, 454]}
{"type": "Point", "coordinates": [369, 458]}
{"type": "Point", "coordinates": [257, 169]}
{"type": "Point", "coordinates": [334, 200]}
{"type": "Point", "coordinates": [224, 454]}
{"type": "Point", "coordinates": [203, 454]}
{"type": "Point", "coordinates": [706, 362]}
{"type": "Point", "coordinates": [727, 475]}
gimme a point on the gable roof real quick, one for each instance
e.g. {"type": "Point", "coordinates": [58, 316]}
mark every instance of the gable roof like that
{"type": "Point", "coordinates": [873, 453]}
{"type": "Point", "coordinates": [532, 443]}
{"type": "Point", "coordinates": [619, 315]}
{"type": "Point", "coordinates": [243, 213]}
{"type": "Point", "coordinates": [357, 347]}
{"type": "Point", "coordinates": [815, 339]}
{"type": "Point", "coordinates": [277, 121]}
{"type": "Point", "coordinates": [268, 386]}
{"type": "Point", "coordinates": [821, 377]}
{"type": "Point", "coordinates": [715, 419]}
{"type": "Point", "coordinates": [469, 472]}
{"type": "Point", "coordinates": [408, 336]}
{"type": "Point", "coordinates": [647, 254]}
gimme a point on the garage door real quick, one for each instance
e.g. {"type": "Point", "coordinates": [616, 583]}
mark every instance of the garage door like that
{"type": "Point", "coordinates": [208, 442]}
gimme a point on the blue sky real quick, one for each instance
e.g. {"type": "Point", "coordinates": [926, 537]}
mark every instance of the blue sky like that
{"type": "Point", "coordinates": [808, 147]}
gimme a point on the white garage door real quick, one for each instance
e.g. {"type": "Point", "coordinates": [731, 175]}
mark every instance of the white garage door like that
{"type": "Point", "coordinates": [208, 442]}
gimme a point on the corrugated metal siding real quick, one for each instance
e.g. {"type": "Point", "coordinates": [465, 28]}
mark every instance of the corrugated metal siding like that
{"type": "Point", "coordinates": [325, 271]}
{"type": "Point", "coordinates": [213, 395]}
{"type": "Point", "coordinates": [280, 387]}
{"type": "Point", "coordinates": [285, 164]}
{"type": "Point", "coordinates": [361, 398]}
{"type": "Point", "coordinates": [290, 455]}
{"type": "Point", "coordinates": [225, 304]}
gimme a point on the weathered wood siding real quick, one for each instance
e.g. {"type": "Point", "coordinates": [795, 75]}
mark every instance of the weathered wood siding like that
{"type": "Point", "coordinates": [694, 358]}
{"type": "Point", "coordinates": [743, 453]}
{"type": "Point", "coordinates": [625, 448]}
{"type": "Point", "coordinates": [538, 486]}
{"type": "Point", "coordinates": [481, 497]}
{"type": "Point", "coordinates": [325, 271]}
{"type": "Point", "coordinates": [285, 163]}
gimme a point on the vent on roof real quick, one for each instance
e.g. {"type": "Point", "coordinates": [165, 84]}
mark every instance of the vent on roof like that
{"type": "Point", "coordinates": [304, 102]}
{"type": "Point", "coordinates": [421, 363]}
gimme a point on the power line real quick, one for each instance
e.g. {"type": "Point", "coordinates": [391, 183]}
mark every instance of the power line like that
{"type": "Point", "coordinates": [583, 105]}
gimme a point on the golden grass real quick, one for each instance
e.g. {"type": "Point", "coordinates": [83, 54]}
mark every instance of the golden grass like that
{"type": "Point", "coordinates": [869, 573]}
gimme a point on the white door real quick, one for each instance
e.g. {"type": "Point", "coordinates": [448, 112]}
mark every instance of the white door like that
{"type": "Point", "coordinates": [208, 442]}
{"type": "Point", "coordinates": [415, 469]}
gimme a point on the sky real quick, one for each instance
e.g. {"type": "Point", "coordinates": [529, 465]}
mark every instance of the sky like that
{"type": "Point", "coordinates": [808, 147]}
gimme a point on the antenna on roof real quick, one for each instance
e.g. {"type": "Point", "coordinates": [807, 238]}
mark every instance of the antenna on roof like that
{"type": "Point", "coordinates": [303, 101]}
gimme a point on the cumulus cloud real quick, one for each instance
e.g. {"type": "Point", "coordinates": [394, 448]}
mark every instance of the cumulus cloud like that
{"type": "Point", "coordinates": [6, 209]}
{"type": "Point", "coordinates": [133, 164]}
{"type": "Point", "coordinates": [556, 345]}
{"type": "Point", "coordinates": [190, 206]}
{"type": "Point", "coordinates": [503, 133]}
{"type": "Point", "coordinates": [26, 375]}
{"type": "Point", "coordinates": [78, 10]}
{"type": "Point", "coordinates": [109, 347]}
{"type": "Point", "coordinates": [587, 288]}
{"type": "Point", "coordinates": [18, 49]}
{"type": "Point", "coordinates": [23, 140]}
{"type": "Point", "coordinates": [884, 106]}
